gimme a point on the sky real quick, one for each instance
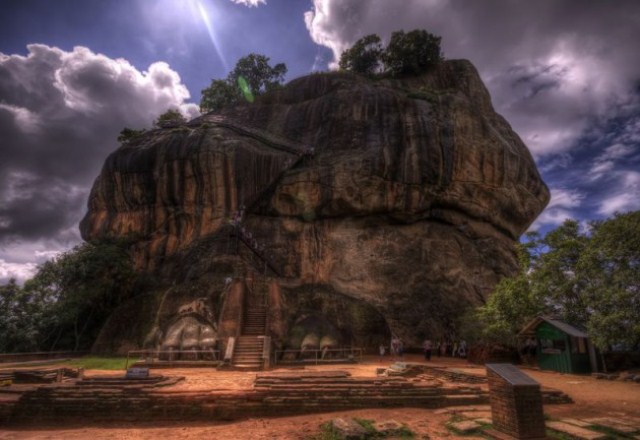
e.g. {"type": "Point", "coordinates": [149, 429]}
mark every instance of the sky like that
{"type": "Point", "coordinates": [73, 73]}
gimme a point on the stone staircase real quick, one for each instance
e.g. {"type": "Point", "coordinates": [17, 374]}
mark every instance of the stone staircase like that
{"type": "Point", "coordinates": [249, 346]}
{"type": "Point", "coordinates": [247, 354]}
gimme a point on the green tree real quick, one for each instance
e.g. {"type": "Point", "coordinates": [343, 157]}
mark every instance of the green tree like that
{"type": "Point", "coordinates": [127, 135]}
{"type": "Point", "coordinates": [252, 76]}
{"type": "Point", "coordinates": [78, 290]}
{"type": "Point", "coordinates": [412, 53]}
{"type": "Point", "coordinates": [589, 280]}
{"type": "Point", "coordinates": [16, 324]}
{"type": "Point", "coordinates": [512, 303]}
{"type": "Point", "coordinates": [610, 268]}
{"type": "Point", "coordinates": [364, 56]}
{"type": "Point", "coordinates": [555, 277]}
{"type": "Point", "coordinates": [218, 95]}
{"type": "Point", "coordinates": [170, 118]}
{"type": "Point", "coordinates": [258, 74]}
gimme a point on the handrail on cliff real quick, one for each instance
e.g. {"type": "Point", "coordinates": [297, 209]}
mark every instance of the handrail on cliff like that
{"type": "Point", "coordinates": [250, 245]}
{"type": "Point", "coordinates": [258, 134]}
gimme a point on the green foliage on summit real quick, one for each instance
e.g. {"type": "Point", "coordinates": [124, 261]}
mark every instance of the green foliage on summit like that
{"type": "Point", "coordinates": [409, 53]}
{"type": "Point", "coordinates": [170, 118]}
{"type": "Point", "coordinates": [252, 76]}
{"type": "Point", "coordinates": [590, 279]}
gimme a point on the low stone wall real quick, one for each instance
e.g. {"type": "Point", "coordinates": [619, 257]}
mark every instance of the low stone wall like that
{"type": "Point", "coordinates": [271, 396]}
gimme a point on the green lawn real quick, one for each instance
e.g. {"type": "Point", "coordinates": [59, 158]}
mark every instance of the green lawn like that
{"type": "Point", "coordinates": [99, 363]}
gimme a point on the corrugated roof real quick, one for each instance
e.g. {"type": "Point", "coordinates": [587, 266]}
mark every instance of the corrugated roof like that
{"type": "Point", "coordinates": [560, 325]}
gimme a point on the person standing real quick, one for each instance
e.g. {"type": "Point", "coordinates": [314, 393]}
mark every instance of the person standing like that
{"type": "Point", "coordinates": [395, 346]}
{"type": "Point", "coordinates": [382, 349]}
{"type": "Point", "coordinates": [462, 350]}
{"type": "Point", "coordinates": [427, 346]}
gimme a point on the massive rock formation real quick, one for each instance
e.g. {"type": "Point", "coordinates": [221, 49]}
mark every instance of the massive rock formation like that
{"type": "Point", "coordinates": [392, 203]}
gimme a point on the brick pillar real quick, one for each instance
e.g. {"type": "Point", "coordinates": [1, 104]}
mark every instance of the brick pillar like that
{"type": "Point", "coordinates": [516, 402]}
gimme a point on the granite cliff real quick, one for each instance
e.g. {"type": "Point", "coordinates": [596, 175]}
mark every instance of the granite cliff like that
{"type": "Point", "coordinates": [362, 207]}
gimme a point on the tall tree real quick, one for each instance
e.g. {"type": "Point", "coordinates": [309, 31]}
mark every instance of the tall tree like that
{"type": "Point", "coordinates": [412, 53]}
{"type": "Point", "coordinates": [252, 76]}
{"type": "Point", "coordinates": [258, 74]}
{"type": "Point", "coordinates": [364, 56]}
{"type": "Point", "coordinates": [512, 303]}
{"type": "Point", "coordinates": [610, 268]}
{"type": "Point", "coordinates": [77, 291]}
{"type": "Point", "coordinates": [218, 95]}
{"type": "Point", "coordinates": [170, 118]}
{"type": "Point", "coordinates": [589, 279]}
{"type": "Point", "coordinates": [555, 275]}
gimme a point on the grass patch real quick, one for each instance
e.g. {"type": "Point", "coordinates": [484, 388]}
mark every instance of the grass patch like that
{"type": "Point", "coordinates": [327, 433]}
{"type": "Point", "coordinates": [611, 433]}
{"type": "Point", "coordinates": [403, 432]}
{"type": "Point", "coordinates": [368, 426]}
{"type": "Point", "coordinates": [99, 363]}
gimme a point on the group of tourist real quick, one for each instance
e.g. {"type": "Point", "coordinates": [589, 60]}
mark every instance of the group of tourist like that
{"type": "Point", "coordinates": [236, 221]}
{"type": "Point", "coordinates": [441, 348]}
{"type": "Point", "coordinates": [396, 346]}
{"type": "Point", "coordinates": [445, 348]}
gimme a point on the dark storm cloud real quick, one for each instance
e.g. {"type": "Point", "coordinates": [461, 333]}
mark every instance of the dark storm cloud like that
{"type": "Point", "coordinates": [558, 70]}
{"type": "Point", "coordinates": [60, 114]}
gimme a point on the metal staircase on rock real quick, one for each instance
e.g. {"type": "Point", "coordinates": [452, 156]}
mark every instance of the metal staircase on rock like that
{"type": "Point", "coordinates": [249, 348]}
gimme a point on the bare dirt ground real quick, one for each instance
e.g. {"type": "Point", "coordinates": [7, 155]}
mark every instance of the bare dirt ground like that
{"type": "Point", "coordinates": [592, 398]}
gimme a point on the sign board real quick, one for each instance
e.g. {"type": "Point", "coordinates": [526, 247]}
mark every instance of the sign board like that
{"type": "Point", "coordinates": [137, 373]}
{"type": "Point", "coordinates": [511, 374]}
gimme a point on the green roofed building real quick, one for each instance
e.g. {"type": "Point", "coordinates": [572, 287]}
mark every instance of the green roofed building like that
{"type": "Point", "coordinates": [558, 346]}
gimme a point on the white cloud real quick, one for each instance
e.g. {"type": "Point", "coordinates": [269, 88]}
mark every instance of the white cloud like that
{"type": "Point", "coordinates": [552, 217]}
{"type": "Point", "coordinates": [606, 161]}
{"type": "Point", "coordinates": [565, 198]}
{"type": "Point", "coordinates": [60, 115]}
{"type": "Point", "coordinates": [624, 197]}
{"type": "Point", "coordinates": [250, 3]}
{"type": "Point", "coordinates": [560, 207]}
{"type": "Point", "coordinates": [19, 271]}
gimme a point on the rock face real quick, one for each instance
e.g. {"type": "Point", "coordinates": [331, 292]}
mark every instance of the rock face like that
{"type": "Point", "coordinates": [400, 200]}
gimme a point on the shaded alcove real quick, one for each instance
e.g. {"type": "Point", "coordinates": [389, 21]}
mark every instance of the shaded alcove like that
{"type": "Point", "coordinates": [334, 319]}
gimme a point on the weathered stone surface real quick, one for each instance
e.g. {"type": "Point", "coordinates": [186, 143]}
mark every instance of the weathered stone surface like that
{"type": "Point", "coordinates": [406, 212]}
{"type": "Point", "coordinates": [348, 429]}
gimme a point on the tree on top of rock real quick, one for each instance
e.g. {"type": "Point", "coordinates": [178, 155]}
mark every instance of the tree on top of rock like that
{"type": "Point", "coordinates": [218, 95]}
{"type": "Point", "coordinates": [412, 53]}
{"type": "Point", "coordinates": [364, 56]}
{"type": "Point", "coordinates": [170, 118]}
{"type": "Point", "coordinates": [406, 54]}
{"type": "Point", "coordinates": [252, 76]}
{"type": "Point", "coordinates": [257, 74]}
